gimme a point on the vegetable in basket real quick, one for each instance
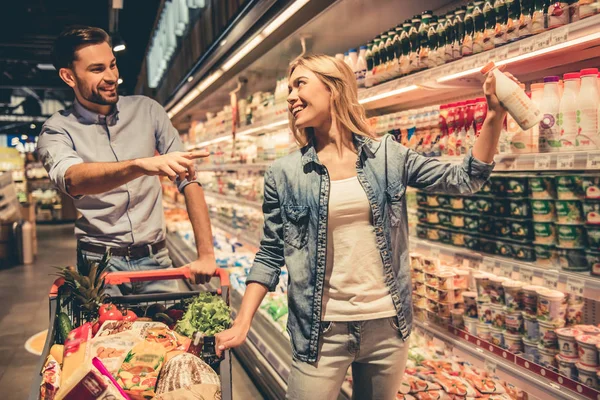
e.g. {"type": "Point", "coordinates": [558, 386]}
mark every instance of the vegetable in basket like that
{"type": "Point", "coordinates": [208, 314]}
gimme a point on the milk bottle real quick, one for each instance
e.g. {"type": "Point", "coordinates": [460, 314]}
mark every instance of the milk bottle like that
{"type": "Point", "coordinates": [567, 112]}
{"type": "Point", "coordinates": [587, 110]}
{"type": "Point", "coordinates": [549, 130]}
{"type": "Point", "coordinates": [361, 67]}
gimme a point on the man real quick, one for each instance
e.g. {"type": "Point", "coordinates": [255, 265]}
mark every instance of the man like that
{"type": "Point", "coordinates": [101, 152]}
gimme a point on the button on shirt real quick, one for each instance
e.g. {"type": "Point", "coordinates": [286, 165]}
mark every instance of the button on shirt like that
{"type": "Point", "coordinates": [131, 214]}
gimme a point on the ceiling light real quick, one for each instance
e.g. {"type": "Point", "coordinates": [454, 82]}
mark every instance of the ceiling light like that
{"type": "Point", "coordinates": [46, 67]}
{"type": "Point", "coordinates": [119, 81]}
{"type": "Point", "coordinates": [191, 78]}
{"type": "Point", "coordinates": [32, 126]}
{"type": "Point", "coordinates": [223, 42]}
{"type": "Point", "coordinates": [262, 128]}
{"type": "Point", "coordinates": [388, 94]}
{"type": "Point", "coordinates": [242, 53]}
{"type": "Point", "coordinates": [284, 16]}
{"type": "Point", "coordinates": [118, 42]}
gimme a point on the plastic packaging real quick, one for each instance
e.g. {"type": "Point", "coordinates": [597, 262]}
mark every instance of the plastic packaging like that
{"type": "Point", "coordinates": [567, 114]}
{"type": "Point", "coordinates": [549, 130]}
{"type": "Point", "coordinates": [587, 110]}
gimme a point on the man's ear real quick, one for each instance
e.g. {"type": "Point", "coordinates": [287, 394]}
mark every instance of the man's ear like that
{"type": "Point", "coordinates": [67, 75]}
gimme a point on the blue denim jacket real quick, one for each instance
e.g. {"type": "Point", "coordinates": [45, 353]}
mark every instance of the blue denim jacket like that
{"type": "Point", "coordinates": [295, 231]}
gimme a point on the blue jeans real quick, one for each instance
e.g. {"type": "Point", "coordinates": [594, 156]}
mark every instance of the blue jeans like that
{"type": "Point", "coordinates": [374, 349]}
{"type": "Point", "coordinates": [159, 260]}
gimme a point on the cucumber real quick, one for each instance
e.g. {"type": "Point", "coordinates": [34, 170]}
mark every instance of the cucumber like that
{"type": "Point", "coordinates": [64, 327]}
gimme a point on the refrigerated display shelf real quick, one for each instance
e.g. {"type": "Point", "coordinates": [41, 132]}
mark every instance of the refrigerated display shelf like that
{"type": "Point", "coordinates": [259, 166]}
{"type": "Point", "coordinates": [539, 381]}
{"type": "Point", "coordinates": [508, 267]}
{"type": "Point", "coordinates": [240, 234]}
{"type": "Point", "coordinates": [257, 128]}
{"type": "Point", "coordinates": [234, 199]}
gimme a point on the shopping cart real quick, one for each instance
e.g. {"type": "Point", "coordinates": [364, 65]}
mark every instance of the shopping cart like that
{"type": "Point", "coordinates": [167, 299]}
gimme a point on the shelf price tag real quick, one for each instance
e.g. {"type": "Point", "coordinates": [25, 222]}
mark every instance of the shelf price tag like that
{"type": "Point", "coordinates": [506, 270]}
{"type": "Point", "coordinates": [502, 53]}
{"type": "Point", "coordinates": [560, 35]}
{"type": "Point", "coordinates": [526, 46]}
{"type": "Point", "coordinates": [593, 161]}
{"type": "Point", "coordinates": [487, 266]}
{"type": "Point", "coordinates": [526, 275]}
{"type": "Point", "coordinates": [542, 41]}
{"type": "Point", "coordinates": [575, 286]}
{"type": "Point", "coordinates": [497, 270]}
{"type": "Point", "coordinates": [459, 259]}
{"type": "Point", "coordinates": [541, 162]}
{"type": "Point", "coordinates": [490, 367]}
{"type": "Point", "coordinates": [565, 161]}
{"type": "Point", "coordinates": [551, 279]}
{"type": "Point", "coordinates": [434, 253]}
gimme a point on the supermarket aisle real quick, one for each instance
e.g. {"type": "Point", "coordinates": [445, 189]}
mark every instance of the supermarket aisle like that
{"type": "Point", "coordinates": [24, 312]}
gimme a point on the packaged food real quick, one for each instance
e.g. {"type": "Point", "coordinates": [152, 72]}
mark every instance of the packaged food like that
{"type": "Point", "coordinates": [185, 370]}
{"type": "Point", "coordinates": [588, 351]}
{"type": "Point", "coordinates": [51, 376]}
{"type": "Point", "coordinates": [513, 342]}
{"type": "Point", "coordinates": [567, 345]}
{"type": "Point", "coordinates": [433, 217]}
{"type": "Point", "coordinates": [501, 228]}
{"type": "Point", "coordinates": [472, 242]}
{"type": "Point", "coordinates": [547, 357]}
{"type": "Point", "coordinates": [457, 203]}
{"type": "Point", "coordinates": [433, 234]}
{"type": "Point", "coordinates": [422, 199]}
{"type": "Point", "coordinates": [523, 252]}
{"type": "Point", "coordinates": [549, 306]}
{"type": "Point", "coordinates": [76, 347]}
{"type": "Point", "coordinates": [457, 318]}
{"type": "Point", "coordinates": [488, 246]}
{"type": "Point", "coordinates": [458, 239]}
{"type": "Point", "coordinates": [574, 314]}
{"type": "Point", "coordinates": [135, 328]}
{"type": "Point", "coordinates": [457, 221]}
{"type": "Point", "coordinates": [446, 296]}
{"type": "Point", "coordinates": [591, 212]}
{"type": "Point", "coordinates": [519, 208]}
{"type": "Point", "coordinates": [517, 186]}
{"type": "Point", "coordinates": [113, 349]}
{"type": "Point", "coordinates": [546, 256]}
{"type": "Point", "coordinates": [483, 331]}
{"type": "Point", "coordinates": [471, 325]}
{"type": "Point", "coordinates": [530, 299]}
{"type": "Point", "coordinates": [498, 185]}
{"type": "Point", "coordinates": [421, 232]}
{"type": "Point", "coordinates": [432, 279]}
{"type": "Point", "coordinates": [431, 265]}
{"type": "Point", "coordinates": [91, 381]}
{"type": "Point", "coordinates": [484, 205]}
{"type": "Point", "coordinates": [444, 201]}
{"type": "Point", "coordinates": [591, 186]}
{"type": "Point", "coordinates": [444, 310]}
{"type": "Point", "coordinates": [500, 208]}
{"type": "Point", "coordinates": [139, 372]}
{"type": "Point", "coordinates": [489, 187]}
{"type": "Point", "coordinates": [543, 210]}
{"type": "Point", "coordinates": [484, 311]}
{"type": "Point", "coordinates": [445, 236]}
{"type": "Point", "coordinates": [422, 215]}
{"type": "Point", "coordinates": [496, 289]}
{"type": "Point", "coordinates": [416, 260]}
{"type": "Point", "coordinates": [593, 237]}
{"type": "Point", "coordinates": [420, 288]}
{"type": "Point", "coordinates": [482, 281]}
{"type": "Point", "coordinates": [418, 275]}
{"type": "Point", "coordinates": [548, 337]}
{"type": "Point", "coordinates": [487, 225]}
{"type": "Point", "coordinates": [521, 230]}
{"type": "Point", "coordinates": [545, 233]}
{"type": "Point", "coordinates": [433, 200]}
{"type": "Point", "coordinates": [530, 350]}
{"type": "Point", "coordinates": [419, 300]}
{"type": "Point", "coordinates": [497, 337]}
{"type": "Point", "coordinates": [514, 322]}
{"type": "Point", "coordinates": [569, 212]}
{"type": "Point", "coordinates": [432, 293]}
{"type": "Point", "coordinates": [193, 392]}
{"type": "Point", "coordinates": [498, 316]}
{"type": "Point", "coordinates": [587, 375]}
{"type": "Point", "coordinates": [569, 187]}
{"type": "Point", "coordinates": [542, 187]}
{"type": "Point", "coordinates": [571, 236]}
{"type": "Point", "coordinates": [593, 259]}
{"type": "Point", "coordinates": [446, 280]}
{"type": "Point", "coordinates": [470, 299]}
{"type": "Point", "coordinates": [572, 260]}
{"type": "Point", "coordinates": [445, 218]}
{"type": "Point", "coordinates": [513, 294]}
{"type": "Point", "coordinates": [471, 223]}
{"type": "Point", "coordinates": [566, 367]}
{"type": "Point", "coordinates": [532, 329]}
{"type": "Point", "coordinates": [589, 329]}
{"type": "Point", "coordinates": [504, 249]}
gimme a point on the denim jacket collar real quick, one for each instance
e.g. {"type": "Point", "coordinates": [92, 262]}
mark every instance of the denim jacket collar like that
{"type": "Point", "coordinates": [362, 143]}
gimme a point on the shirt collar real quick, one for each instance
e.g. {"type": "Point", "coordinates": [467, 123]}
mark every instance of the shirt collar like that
{"type": "Point", "coordinates": [362, 143]}
{"type": "Point", "coordinates": [90, 117]}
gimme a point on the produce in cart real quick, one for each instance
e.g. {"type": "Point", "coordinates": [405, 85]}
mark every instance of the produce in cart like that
{"type": "Point", "coordinates": [207, 314]}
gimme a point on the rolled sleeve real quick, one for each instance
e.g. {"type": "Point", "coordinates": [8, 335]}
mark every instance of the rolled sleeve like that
{"type": "Point", "coordinates": [57, 154]}
{"type": "Point", "coordinates": [477, 168]}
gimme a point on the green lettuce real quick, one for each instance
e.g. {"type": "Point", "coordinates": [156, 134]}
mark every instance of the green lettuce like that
{"type": "Point", "coordinates": [208, 314]}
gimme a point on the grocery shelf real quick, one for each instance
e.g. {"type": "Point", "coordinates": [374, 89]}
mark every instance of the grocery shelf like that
{"type": "Point", "coordinates": [530, 58]}
{"type": "Point", "coordinates": [507, 267]}
{"type": "Point", "coordinates": [259, 127]}
{"type": "Point", "coordinates": [234, 199]}
{"type": "Point", "coordinates": [539, 381]}
{"type": "Point", "coordinates": [260, 166]}
{"type": "Point", "coordinates": [240, 234]}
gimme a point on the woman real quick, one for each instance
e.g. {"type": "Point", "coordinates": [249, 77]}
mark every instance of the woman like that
{"type": "Point", "coordinates": [335, 214]}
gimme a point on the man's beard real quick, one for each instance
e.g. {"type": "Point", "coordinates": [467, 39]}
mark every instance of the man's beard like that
{"type": "Point", "coordinates": [94, 96]}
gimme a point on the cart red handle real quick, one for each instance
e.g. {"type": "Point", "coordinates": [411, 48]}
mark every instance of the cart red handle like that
{"type": "Point", "coordinates": [117, 278]}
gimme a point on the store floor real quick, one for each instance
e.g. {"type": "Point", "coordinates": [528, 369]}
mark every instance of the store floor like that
{"type": "Point", "coordinates": [24, 312]}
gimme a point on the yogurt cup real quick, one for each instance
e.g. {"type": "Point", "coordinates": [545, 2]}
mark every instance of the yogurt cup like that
{"type": "Point", "coordinates": [444, 309]}
{"type": "Point", "coordinates": [547, 357]}
{"type": "Point", "coordinates": [416, 260]}
{"type": "Point", "coordinates": [419, 301]}
{"type": "Point", "coordinates": [545, 233]}
{"type": "Point", "coordinates": [548, 337]}
{"type": "Point", "coordinates": [549, 305]}
{"type": "Point", "coordinates": [531, 351]}
{"type": "Point", "coordinates": [457, 316]}
{"type": "Point", "coordinates": [546, 255]}
{"type": "Point", "coordinates": [591, 212]}
{"type": "Point", "coordinates": [573, 260]}
{"type": "Point", "coordinates": [432, 317]}
{"type": "Point", "coordinates": [593, 259]}
{"type": "Point", "coordinates": [433, 306]}
{"type": "Point", "coordinates": [566, 367]}
{"type": "Point", "coordinates": [497, 289]}
{"type": "Point", "coordinates": [420, 288]}
{"type": "Point", "coordinates": [471, 325]}
{"type": "Point", "coordinates": [543, 210]}
{"type": "Point", "coordinates": [588, 350]}
{"type": "Point", "coordinates": [574, 314]}
{"type": "Point", "coordinates": [483, 331]}
{"type": "Point", "coordinates": [542, 187]}
{"type": "Point", "coordinates": [588, 329]}
{"type": "Point", "coordinates": [532, 327]}
{"type": "Point", "coordinates": [513, 294]}
{"type": "Point", "coordinates": [431, 279]}
{"type": "Point", "coordinates": [571, 236]}
{"type": "Point", "coordinates": [588, 376]}
{"type": "Point", "coordinates": [458, 295]}
{"type": "Point", "coordinates": [461, 279]}
{"type": "Point", "coordinates": [431, 265]}
{"type": "Point", "coordinates": [514, 322]}
{"type": "Point", "coordinates": [419, 313]}
{"type": "Point", "coordinates": [498, 316]}
{"type": "Point", "coordinates": [432, 293]}
{"type": "Point", "coordinates": [446, 280]}
{"type": "Point", "coordinates": [567, 345]}
{"type": "Point", "coordinates": [497, 337]}
{"type": "Point", "coordinates": [530, 299]}
{"type": "Point", "coordinates": [446, 296]}
{"type": "Point", "coordinates": [482, 281]}
{"type": "Point", "coordinates": [445, 321]}
{"type": "Point", "coordinates": [470, 299]}
{"type": "Point", "coordinates": [418, 275]}
{"type": "Point", "coordinates": [593, 237]}
{"type": "Point", "coordinates": [484, 312]}
{"type": "Point", "coordinates": [513, 343]}
{"type": "Point", "coordinates": [569, 212]}
{"type": "Point", "coordinates": [569, 187]}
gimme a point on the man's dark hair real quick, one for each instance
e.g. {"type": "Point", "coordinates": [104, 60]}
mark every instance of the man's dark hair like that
{"type": "Point", "coordinates": [71, 40]}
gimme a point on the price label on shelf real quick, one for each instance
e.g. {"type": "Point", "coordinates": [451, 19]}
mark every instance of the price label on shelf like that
{"type": "Point", "coordinates": [459, 259]}
{"type": "Point", "coordinates": [526, 275]}
{"type": "Point", "coordinates": [560, 35]}
{"type": "Point", "coordinates": [490, 367]}
{"type": "Point", "coordinates": [487, 266]}
{"type": "Point", "coordinates": [526, 46]}
{"type": "Point", "coordinates": [506, 270]}
{"type": "Point", "coordinates": [541, 162]}
{"type": "Point", "coordinates": [434, 253]}
{"type": "Point", "coordinates": [575, 286]}
{"type": "Point", "coordinates": [565, 161]}
{"type": "Point", "coordinates": [593, 161]}
{"type": "Point", "coordinates": [542, 41]}
{"type": "Point", "coordinates": [551, 279]}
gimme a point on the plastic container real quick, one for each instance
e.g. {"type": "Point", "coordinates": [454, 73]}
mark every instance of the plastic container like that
{"type": "Point", "coordinates": [483, 331]}
{"type": "Point", "coordinates": [513, 343]}
{"type": "Point", "coordinates": [513, 294]}
{"type": "Point", "coordinates": [589, 329]}
{"type": "Point", "coordinates": [548, 337]}
{"type": "Point", "coordinates": [547, 357]}
{"type": "Point", "coordinates": [530, 299]}
{"type": "Point", "coordinates": [497, 289]}
{"type": "Point", "coordinates": [458, 297]}
{"type": "Point", "coordinates": [484, 312]}
{"type": "Point", "coordinates": [593, 259]}
{"type": "Point", "coordinates": [571, 236]}
{"type": "Point", "coordinates": [470, 299]}
{"type": "Point", "coordinates": [498, 316]}
{"type": "Point", "coordinates": [574, 314]}
{"type": "Point", "coordinates": [518, 104]}
{"type": "Point", "coordinates": [573, 260]}
{"type": "Point", "coordinates": [567, 345]}
{"type": "Point", "coordinates": [591, 186]}
{"type": "Point", "coordinates": [461, 279]}
{"type": "Point", "coordinates": [420, 288]}
{"type": "Point", "coordinates": [549, 139]}
{"type": "Point", "coordinates": [588, 101]}
{"type": "Point", "coordinates": [532, 327]}
{"type": "Point", "coordinates": [569, 187]}
{"type": "Point", "coordinates": [444, 309]}
{"type": "Point", "coordinates": [418, 275]}
{"type": "Point", "coordinates": [569, 212]}
{"type": "Point", "coordinates": [446, 280]}
{"type": "Point", "coordinates": [446, 296]}
{"type": "Point", "coordinates": [549, 305]}
{"type": "Point", "coordinates": [482, 281]}
{"type": "Point", "coordinates": [531, 351]}
{"type": "Point", "coordinates": [588, 376]}
{"type": "Point", "coordinates": [497, 337]}
{"type": "Point", "coordinates": [517, 186]}
{"type": "Point", "coordinates": [588, 350]}
{"type": "Point", "coordinates": [432, 279]}
{"type": "Point", "coordinates": [543, 210]}
{"type": "Point", "coordinates": [471, 325]}
{"type": "Point", "coordinates": [567, 367]}
{"type": "Point", "coordinates": [514, 322]}
{"type": "Point", "coordinates": [445, 218]}
{"type": "Point", "coordinates": [567, 119]}
{"type": "Point", "coordinates": [546, 256]}
{"type": "Point", "coordinates": [591, 212]}
{"type": "Point", "coordinates": [432, 293]}
{"type": "Point", "coordinates": [458, 318]}
{"type": "Point", "coordinates": [593, 237]}
{"type": "Point", "coordinates": [519, 208]}
{"type": "Point", "coordinates": [545, 233]}
{"type": "Point", "coordinates": [542, 187]}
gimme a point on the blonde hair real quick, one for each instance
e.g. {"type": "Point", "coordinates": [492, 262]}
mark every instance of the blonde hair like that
{"type": "Point", "coordinates": [341, 82]}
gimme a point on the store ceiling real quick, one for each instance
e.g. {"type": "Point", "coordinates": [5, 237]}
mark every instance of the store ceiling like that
{"type": "Point", "coordinates": [29, 28]}
{"type": "Point", "coordinates": [344, 25]}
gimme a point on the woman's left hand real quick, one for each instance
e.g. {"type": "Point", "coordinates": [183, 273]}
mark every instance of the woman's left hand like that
{"type": "Point", "coordinates": [489, 89]}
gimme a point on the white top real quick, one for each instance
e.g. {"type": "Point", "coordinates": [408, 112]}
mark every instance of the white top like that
{"type": "Point", "coordinates": [355, 288]}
